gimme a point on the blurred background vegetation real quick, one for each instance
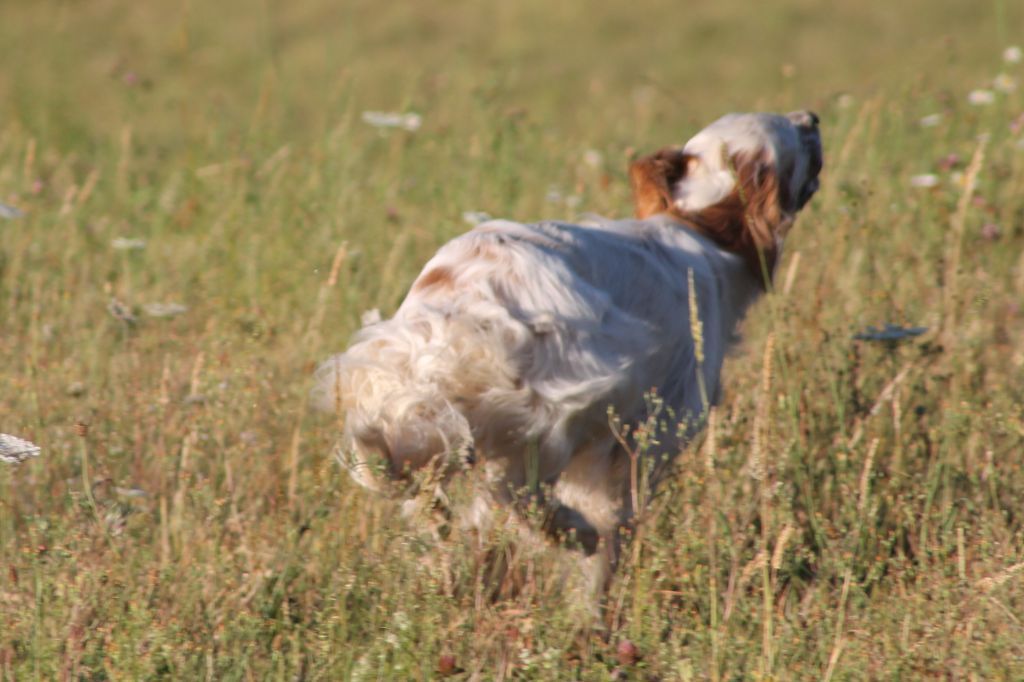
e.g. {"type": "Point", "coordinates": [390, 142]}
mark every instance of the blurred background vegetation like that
{"type": "Point", "coordinates": [185, 520]}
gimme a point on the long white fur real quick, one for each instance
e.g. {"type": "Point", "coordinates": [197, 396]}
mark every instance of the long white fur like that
{"type": "Point", "coordinates": [538, 338]}
{"type": "Point", "coordinates": [516, 338]}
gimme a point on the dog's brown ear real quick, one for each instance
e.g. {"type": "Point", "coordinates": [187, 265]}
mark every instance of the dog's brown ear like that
{"type": "Point", "coordinates": [652, 178]}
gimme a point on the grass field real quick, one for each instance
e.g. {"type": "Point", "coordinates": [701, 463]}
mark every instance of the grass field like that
{"type": "Point", "coordinates": [859, 513]}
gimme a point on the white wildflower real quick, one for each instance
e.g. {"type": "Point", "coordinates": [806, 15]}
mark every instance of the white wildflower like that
{"type": "Point", "coordinates": [1004, 83]}
{"type": "Point", "coordinates": [127, 244]}
{"type": "Point", "coordinates": [474, 218]}
{"type": "Point", "coordinates": [390, 119]}
{"type": "Point", "coordinates": [593, 159]}
{"type": "Point", "coordinates": [10, 212]}
{"type": "Point", "coordinates": [164, 309]}
{"type": "Point", "coordinates": [402, 621]}
{"type": "Point", "coordinates": [130, 492]}
{"type": "Point", "coordinates": [981, 98]}
{"type": "Point", "coordinates": [845, 101]}
{"type": "Point", "coordinates": [553, 196]}
{"type": "Point", "coordinates": [930, 121]}
{"type": "Point", "coordinates": [924, 180]}
{"type": "Point", "coordinates": [1013, 54]}
{"type": "Point", "coordinates": [14, 450]}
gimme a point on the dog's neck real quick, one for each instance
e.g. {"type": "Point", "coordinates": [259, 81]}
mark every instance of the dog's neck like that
{"type": "Point", "coordinates": [760, 263]}
{"type": "Point", "coordinates": [727, 235]}
{"type": "Point", "coordinates": [739, 286]}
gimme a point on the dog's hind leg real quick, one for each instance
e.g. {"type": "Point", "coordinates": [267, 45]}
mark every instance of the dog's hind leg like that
{"type": "Point", "coordinates": [594, 487]}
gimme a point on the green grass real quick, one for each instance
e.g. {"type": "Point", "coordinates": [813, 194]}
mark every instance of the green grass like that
{"type": "Point", "coordinates": [877, 535]}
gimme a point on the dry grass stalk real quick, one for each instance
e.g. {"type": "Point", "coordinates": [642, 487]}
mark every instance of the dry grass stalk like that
{"type": "Point", "coordinates": [177, 518]}
{"type": "Point", "coordinates": [885, 395]}
{"type": "Point", "coordinates": [992, 582]}
{"type": "Point", "coordinates": [837, 647]}
{"type": "Point", "coordinates": [710, 448]}
{"type": "Point", "coordinates": [312, 337]}
{"type": "Point", "coordinates": [958, 225]}
{"type": "Point", "coordinates": [780, 546]}
{"type": "Point", "coordinates": [88, 187]}
{"type": "Point", "coordinates": [760, 466]}
{"type": "Point", "coordinates": [794, 266]}
{"type": "Point", "coordinates": [865, 476]}
{"type": "Point", "coordinates": [697, 331]}
{"type": "Point", "coordinates": [869, 107]}
{"type": "Point", "coordinates": [124, 161]}
{"type": "Point", "coordinates": [28, 167]}
{"type": "Point", "coordinates": [732, 596]}
{"type": "Point", "coordinates": [758, 463]}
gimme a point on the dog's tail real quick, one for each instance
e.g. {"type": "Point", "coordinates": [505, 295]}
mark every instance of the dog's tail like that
{"type": "Point", "coordinates": [402, 389]}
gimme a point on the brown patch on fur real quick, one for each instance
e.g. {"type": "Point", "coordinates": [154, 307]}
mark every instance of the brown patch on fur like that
{"type": "Point", "coordinates": [652, 178]}
{"type": "Point", "coordinates": [747, 222]}
{"type": "Point", "coordinates": [439, 278]}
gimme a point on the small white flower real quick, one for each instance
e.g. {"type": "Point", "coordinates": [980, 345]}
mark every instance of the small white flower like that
{"type": "Point", "coordinates": [402, 621]}
{"type": "Point", "coordinates": [474, 218]}
{"type": "Point", "coordinates": [130, 492]}
{"type": "Point", "coordinates": [924, 180]}
{"type": "Point", "coordinates": [164, 309]}
{"type": "Point", "coordinates": [593, 159]}
{"type": "Point", "coordinates": [10, 212]}
{"type": "Point", "coordinates": [1013, 54]}
{"type": "Point", "coordinates": [127, 244]}
{"type": "Point", "coordinates": [14, 450]}
{"type": "Point", "coordinates": [930, 121]}
{"type": "Point", "coordinates": [390, 119]}
{"type": "Point", "coordinates": [371, 316]}
{"type": "Point", "coordinates": [1004, 83]}
{"type": "Point", "coordinates": [845, 101]}
{"type": "Point", "coordinates": [553, 196]}
{"type": "Point", "coordinates": [981, 98]}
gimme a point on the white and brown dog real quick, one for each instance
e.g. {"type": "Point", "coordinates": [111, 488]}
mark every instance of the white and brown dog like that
{"type": "Point", "coordinates": [516, 339]}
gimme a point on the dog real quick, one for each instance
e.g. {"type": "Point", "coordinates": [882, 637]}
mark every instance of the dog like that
{"type": "Point", "coordinates": [516, 340]}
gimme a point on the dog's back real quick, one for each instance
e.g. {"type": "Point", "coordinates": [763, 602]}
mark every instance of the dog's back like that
{"type": "Point", "coordinates": [519, 337]}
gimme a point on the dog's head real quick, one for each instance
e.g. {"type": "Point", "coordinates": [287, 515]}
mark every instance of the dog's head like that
{"type": "Point", "coordinates": [740, 181]}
